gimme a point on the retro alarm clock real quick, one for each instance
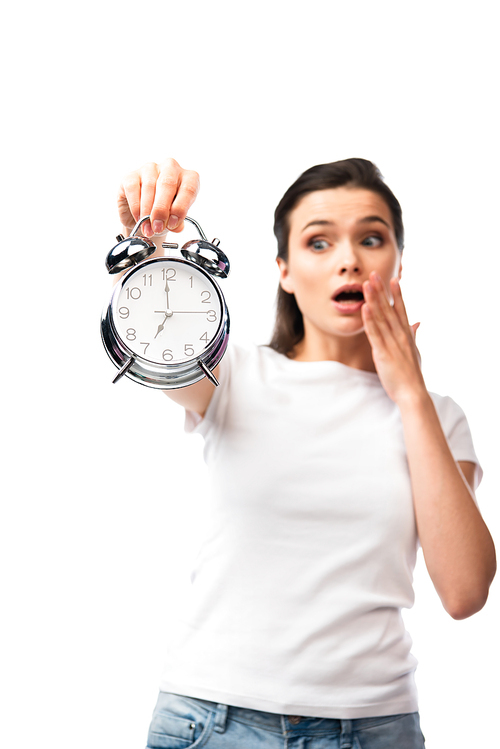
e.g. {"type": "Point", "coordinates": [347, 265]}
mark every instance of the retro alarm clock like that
{"type": "Point", "coordinates": [167, 323]}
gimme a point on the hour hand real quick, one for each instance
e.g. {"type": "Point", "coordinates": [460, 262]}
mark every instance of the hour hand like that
{"type": "Point", "coordinates": [160, 327]}
{"type": "Point", "coordinates": [167, 313]}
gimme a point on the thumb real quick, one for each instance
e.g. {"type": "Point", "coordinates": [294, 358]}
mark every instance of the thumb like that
{"type": "Point", "coordinates": [414, 329]}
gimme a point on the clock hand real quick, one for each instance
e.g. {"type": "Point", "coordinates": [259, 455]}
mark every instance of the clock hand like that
{"type": "Point", "coordinates": [161, 326]}
{"type": "Point", "coordinates": [167, 313]}
{"type": "Point", "coordinates": [167, 289]}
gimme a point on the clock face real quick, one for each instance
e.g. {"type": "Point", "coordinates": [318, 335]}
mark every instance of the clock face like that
{"type": "Point", "coordinates": [167, 311]}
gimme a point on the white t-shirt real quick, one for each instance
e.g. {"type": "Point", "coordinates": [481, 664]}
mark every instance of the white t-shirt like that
{"type": "Point", "coordinates": [296, 596]}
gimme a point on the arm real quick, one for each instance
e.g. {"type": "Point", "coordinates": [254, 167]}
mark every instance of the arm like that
{"type": "Point", "coordinates": [457, 546]}
{"type": "Point", "coordinates": [196, 397]}
{"type": "Point", "coordinates": [456, 543]}
{"type": "Point", "coordinates": [165, 192]}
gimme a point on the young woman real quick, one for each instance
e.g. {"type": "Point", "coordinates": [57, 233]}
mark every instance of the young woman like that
{"type": "Point", "coordinates": [330, 461]}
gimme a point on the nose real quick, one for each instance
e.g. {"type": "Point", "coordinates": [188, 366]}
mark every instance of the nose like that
{"type": "Point", "coordinates": [348, 260]}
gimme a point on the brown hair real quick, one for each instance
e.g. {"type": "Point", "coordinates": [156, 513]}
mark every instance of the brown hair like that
{"type": "Point", "coordinates": [289, 325]}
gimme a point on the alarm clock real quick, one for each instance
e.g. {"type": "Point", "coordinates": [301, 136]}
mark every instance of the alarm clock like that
{"type": "Point", "coordinates": [167, 324]}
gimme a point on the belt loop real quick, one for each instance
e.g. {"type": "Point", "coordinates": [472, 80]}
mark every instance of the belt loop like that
{"type": "Point", "coordinates": [220, 718]}
{"type": "Point", "coordinates": [346, 734]}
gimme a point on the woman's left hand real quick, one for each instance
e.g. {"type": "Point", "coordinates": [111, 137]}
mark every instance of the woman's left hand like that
{"type": "Point", "coordinates": [392, 339]}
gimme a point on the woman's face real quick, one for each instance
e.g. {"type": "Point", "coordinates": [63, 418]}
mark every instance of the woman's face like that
{"type": "Point", "coordinates": [337, 237]}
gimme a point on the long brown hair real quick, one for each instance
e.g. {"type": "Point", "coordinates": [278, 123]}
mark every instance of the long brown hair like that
{"type": "Point", "coordinates": [289, 325]}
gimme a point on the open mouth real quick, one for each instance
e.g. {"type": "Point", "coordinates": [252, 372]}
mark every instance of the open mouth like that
{"type": "Point", "coordinates": [345, 297]}
{"type": "Point", "coordinates": [349, 299]}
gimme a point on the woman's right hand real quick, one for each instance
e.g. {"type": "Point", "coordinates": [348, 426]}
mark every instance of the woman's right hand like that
{"type": "Point", "coordinates": [164, 191]}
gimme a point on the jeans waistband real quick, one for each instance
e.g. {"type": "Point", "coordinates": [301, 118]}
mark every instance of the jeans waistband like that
{"type": "Point", "coordinates": [274, 722]}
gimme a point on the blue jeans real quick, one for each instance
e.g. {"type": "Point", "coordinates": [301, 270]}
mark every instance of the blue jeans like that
{"type": "Point", "coordinates": [188, 723]}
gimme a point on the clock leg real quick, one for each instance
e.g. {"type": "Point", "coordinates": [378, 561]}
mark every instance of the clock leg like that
{"type": "Point", "coordinates": [208, 373]}
{"type": "Point", "coordinates": [124, 369]}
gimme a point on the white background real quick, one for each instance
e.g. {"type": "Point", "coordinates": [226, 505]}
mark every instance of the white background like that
{"type": "Point", "coordinates": [103, 492]}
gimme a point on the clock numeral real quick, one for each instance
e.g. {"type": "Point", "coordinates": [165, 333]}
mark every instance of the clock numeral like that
{"type": "Point", "coordinates": [204, 337]}
{"type": "Point", "coordinates": [190, 279]}
{"type": "Point", "coordinates": [124, 312]}
{"type": "Point", "coordinates": [167, 355]}
{"type": "Point", "coordinates": [169, 274]}
{"type": "Point", "coordinates": [188, 349]}
{"type": "Point", "coordinates": [133, 293]}
{"type": "Point", "coordinates": [211, 315]}
{"type": "Point", "coordinates": [205, 300]}
{"type": "Point", "coordinates": [146, 277]}
{"type": "Point", "coordinates": [143, 343]}
{"type": "Point", "coordinates": [131, 334]}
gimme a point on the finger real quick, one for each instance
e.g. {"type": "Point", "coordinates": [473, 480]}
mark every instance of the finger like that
{"type": "Point", "coordinates": [371, 327]}
{"type": "Point", "coordinates": [414, 329]}
{"type": "Point", "coordinates": [124, 213]}
{"type": "Point", "coordinates": [129, 200]}
{"type": "Point", "coordinates": [396, 335]}
{"type": "Point", "coordinates": [186, 195]}
{"type": "Point", "coordinates": [393, 314]}
{"type": "Point", "coordinates": [149, 176]}
{"type": "Point", "coordinates": [380, 291]}
{"type": "Point", "coordinates": [167, 185]}
{"type": "Point", "coordinates": [399, 304]}
{"type": "Point", "coordinates": [382, 297]}
{"type": "Point", "coordinates": [376, 299]}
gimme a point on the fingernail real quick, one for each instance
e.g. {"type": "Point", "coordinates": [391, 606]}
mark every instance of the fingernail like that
{"type": "Point", "coordinates": [157, 226]}
{"type": "Point", "coordinates": [172, 222]}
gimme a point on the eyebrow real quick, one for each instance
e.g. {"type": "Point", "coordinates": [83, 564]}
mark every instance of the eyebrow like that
{"type": "Point", "coordinates": [366, 220]}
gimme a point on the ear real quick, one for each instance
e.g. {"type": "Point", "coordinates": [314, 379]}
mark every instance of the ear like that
{"type": "Point", "coordinates": [285, 279]}
{"type": "Point", "coordinates": [400, 267]}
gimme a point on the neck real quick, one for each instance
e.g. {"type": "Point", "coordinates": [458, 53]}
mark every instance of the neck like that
{"type": "Point", "coordinates": [353, 351]}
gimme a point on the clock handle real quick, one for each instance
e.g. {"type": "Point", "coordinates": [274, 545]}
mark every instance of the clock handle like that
{"type": "Point", "coordinates": [200, 230]}
{"type": "Point", "coordinates": [146, 218]}
{"type": "Point", "coordinates": [138, 225]}
{"type": "Point", "coordinates": [215, 268]}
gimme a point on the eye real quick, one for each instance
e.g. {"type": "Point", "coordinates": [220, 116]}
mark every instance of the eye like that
{"type": "Point", "coordinates": [318, 244]}
{"type": "Point", "coordinates": [372, 241]}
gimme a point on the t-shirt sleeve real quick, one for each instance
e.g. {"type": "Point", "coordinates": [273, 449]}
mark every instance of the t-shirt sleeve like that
{"type": "Point", "coordinates": [457, 432]}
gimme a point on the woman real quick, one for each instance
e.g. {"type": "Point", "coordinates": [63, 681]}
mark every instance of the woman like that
{"type": "Point", "coordinates": [327, 455]}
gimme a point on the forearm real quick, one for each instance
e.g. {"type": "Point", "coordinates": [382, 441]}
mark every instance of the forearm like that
{"type": "Point", "coordinates": [457, 546]}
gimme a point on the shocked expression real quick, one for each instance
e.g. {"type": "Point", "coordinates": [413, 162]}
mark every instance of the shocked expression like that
{"type": "Point", "coordinates": [337, 238]}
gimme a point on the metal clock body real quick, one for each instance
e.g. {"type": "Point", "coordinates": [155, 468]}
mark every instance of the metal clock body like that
{"type": "Point", "coordinates": [167, 324]}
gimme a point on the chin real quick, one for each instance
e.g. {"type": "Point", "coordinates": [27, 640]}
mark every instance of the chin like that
{"type": "Point", "coordinates": [350, 333]}
{"type": "Point", "coordinates": [350, 327]}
